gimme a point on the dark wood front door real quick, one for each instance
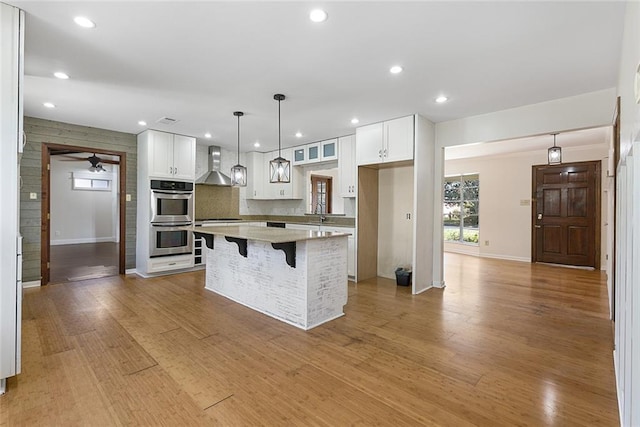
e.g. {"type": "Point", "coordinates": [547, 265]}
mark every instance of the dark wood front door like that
{"type": "Point", "coordinates": [566, 214]}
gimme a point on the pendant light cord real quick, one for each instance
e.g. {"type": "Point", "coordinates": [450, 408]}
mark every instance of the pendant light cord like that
{"type": "Point", "coordinates": [238, 139]}
{"type": "Point", "coordinates": [279, 135]}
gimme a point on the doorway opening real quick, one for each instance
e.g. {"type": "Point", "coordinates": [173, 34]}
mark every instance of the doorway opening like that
{"type": "Point", "coordinates": [83, 213]}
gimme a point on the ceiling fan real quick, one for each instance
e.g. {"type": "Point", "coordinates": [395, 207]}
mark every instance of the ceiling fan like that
{"type": "Point", "coordinates": [96, 162]}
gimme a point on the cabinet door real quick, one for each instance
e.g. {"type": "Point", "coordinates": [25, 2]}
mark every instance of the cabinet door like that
{"type": "Point", "coordinates": [347, 165]}
{"type": "Point", "coordinates": [285, 191]}
{"type": "Point", "coordinates": [329, 149]}
{"type": "Point", "coordinates": [299, 156]}
{"type": "Point", "coordinates": [351, 256]}
{"type": "Point", "coordinates": [184, 157]}
{"type": "Point", "coordinates": [369, 141]}
{"type": "Point", "coordinates": [398, 139]}
{"type": "Point", "coordinates": [256, 175]}
{"type": "Point", "coordinates": [271, 191]}
{"type": "Point", "coordinates": [313, 152]}
{"type": "Point", "coordinates": [160, 154]}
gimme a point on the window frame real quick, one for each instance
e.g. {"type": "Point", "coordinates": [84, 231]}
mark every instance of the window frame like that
{"type": "Point", "coordinates": [461, 178]}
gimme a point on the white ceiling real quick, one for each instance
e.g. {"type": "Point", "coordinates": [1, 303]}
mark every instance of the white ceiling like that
{"type": "Point", "coordinates": [200, 61]}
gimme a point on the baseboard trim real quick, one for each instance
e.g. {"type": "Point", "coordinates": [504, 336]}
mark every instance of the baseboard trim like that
{"type": "Point", "coordinates": [130, 271]}
{"type": "Point", "coordinates": [32, 284]}
{"type": "Point", "coordinates": [61, 242]}
{"type": "Point", "coordinates": [506, 257]}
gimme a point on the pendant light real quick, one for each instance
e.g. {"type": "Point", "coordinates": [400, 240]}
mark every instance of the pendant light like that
{"type": "Point", "coordinates": [554, 154]}
{"type": "Point", "coordinates": [238, 172]}
{"type": "Point", "coordinates": [279, 168]}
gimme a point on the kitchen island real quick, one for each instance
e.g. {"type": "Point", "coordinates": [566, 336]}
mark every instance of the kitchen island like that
{"type": "Point", "coordinates": [296, 276]}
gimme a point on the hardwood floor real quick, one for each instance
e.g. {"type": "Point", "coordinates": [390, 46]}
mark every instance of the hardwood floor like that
{"type": "Point", "coordinates": [83, 261]}
{"type": "Point", "coordinates": [506, 343]}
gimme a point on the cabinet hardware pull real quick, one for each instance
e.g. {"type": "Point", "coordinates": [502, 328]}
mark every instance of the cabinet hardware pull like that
{"type": "Point", "coordinates": [175, 171]}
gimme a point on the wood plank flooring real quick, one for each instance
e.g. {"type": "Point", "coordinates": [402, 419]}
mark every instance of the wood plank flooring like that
{"type": "Point", "coordinates": [506, 343]}
{"type": "Point", "coordinates": [83, 261]}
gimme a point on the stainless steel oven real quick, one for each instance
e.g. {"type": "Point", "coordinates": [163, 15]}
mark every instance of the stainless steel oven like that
{"type": "Point", "coordinates": [169, 240]}
{"type": "Point", "coordinates": [171, 202]}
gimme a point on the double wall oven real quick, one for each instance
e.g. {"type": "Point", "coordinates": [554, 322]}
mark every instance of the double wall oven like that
{"type": "Point", "coordinates": [171, 208]}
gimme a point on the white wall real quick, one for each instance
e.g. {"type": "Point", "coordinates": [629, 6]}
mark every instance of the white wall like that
{"type": "Point", "coordinates": [80, 216]}
{"type": "Point", "coordinates": [627, 293]}
{"type": "Point", "coordinates": [395, 231]}
{"type": "Point", "coordinates": [505, 182]}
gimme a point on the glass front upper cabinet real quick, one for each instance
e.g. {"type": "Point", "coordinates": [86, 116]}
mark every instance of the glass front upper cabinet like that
{"type": "Point", "coordinates": [329, 149]}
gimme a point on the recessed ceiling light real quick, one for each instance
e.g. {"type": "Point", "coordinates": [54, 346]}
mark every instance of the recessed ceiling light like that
{"type": "Point", "coordinates": [61, 75]}
{"type": "Point", "coordinates": [355, 121]}
{"type": "Point", "coordinates": [207, 135]}
{"type": "Point", "coordinates": [256, 144]}
{"type": "Point", "coordinates": [298, 135]}
{"type": "Point", "coordinates": [318, 15]}
{"type": "Point", "coordinates": [84, 22]}
{"type": "Point", "coordinates": [142, 123]}
{"type": "Point", "coordinates": [395, 69]}
{"type": "Point", "coordinates": [49, 104]}
{"type": "Point", "coordinates": [441, 99]}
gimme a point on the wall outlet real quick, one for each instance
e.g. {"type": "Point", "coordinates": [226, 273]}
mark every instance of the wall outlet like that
{"type": "Point", "coordinates": [486, 243]}
{"type": "Point", "coordinates": [128, 197]}
{"type": "Point", "coordinates": [57, 233]}
{"type": "Point", "coordinates": [33, 196]}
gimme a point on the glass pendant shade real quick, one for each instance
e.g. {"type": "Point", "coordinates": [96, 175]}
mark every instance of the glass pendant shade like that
{"type": "Point", "coordinates": [239, 176]}
{"type": "Point", "coordinates": [554, 154]}
{"type": "Point", "coordinates": [238, 172]}
{"type": "Point", "coordinates": [279, 168]}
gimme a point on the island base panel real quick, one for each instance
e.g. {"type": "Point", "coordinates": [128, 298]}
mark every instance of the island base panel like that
{"type": "Point", "coordinates": [312, 293]}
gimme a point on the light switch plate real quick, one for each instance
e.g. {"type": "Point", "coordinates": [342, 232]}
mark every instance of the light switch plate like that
{"type": "Point", "coordinates": [128, 197]}
{"type": "Point", "coordinates": [33, 196]}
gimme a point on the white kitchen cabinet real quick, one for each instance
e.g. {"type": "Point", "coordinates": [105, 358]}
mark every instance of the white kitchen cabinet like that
{"type": "Point", "coordinates": [168, 155]}
{"type": "Point", "coordinates": [389, 141]}
{"type": "Point", "coordinates": [347, 168]}
{"type": "Point", "coordinates": [329, 150]}
{"type": "Point", "coordinates": [299, 155]}
{"type": "Point", "coordinates": [313, 152]}
{"type": "Point", "coordinates": [256, 179]}
{"type": "Point", "coordinates": [351, 256]}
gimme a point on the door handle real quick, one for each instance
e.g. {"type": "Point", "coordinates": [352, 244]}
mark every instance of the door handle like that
{"type": "Point", "coordinates": [539, 216]}
{"type": "Point", "coordinates": [538, 226]}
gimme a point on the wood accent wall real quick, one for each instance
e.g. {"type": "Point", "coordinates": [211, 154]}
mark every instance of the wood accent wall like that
{"type": "Point", "coordinates": [367, 223]}
{"type": "Point", "coordinates": [39, 131]}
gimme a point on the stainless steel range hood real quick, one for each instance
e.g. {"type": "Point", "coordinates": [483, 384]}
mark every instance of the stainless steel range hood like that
{"type": "Point", "coordinates": [214, 177]}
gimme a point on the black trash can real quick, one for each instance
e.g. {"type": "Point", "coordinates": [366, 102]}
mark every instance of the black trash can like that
{"type": "Point", "coordinates": [403, 277]}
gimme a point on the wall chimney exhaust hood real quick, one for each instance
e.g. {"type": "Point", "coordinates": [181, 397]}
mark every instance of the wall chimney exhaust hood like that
{"type": "Point", "coordinates": [214, 177]}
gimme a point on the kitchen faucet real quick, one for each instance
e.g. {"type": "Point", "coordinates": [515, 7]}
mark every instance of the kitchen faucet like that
{"type": "Point", "coordinates": [318, 210]}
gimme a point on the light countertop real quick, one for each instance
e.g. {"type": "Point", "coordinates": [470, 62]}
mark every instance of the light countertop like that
{"type": "Point", "coordinates": [265, 234]}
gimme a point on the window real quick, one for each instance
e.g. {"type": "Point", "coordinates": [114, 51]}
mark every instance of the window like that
{"type": "Point", "coordinates": [461, 208]}
{"type": "Point", "coordinates": [321, 194]}
{"type": "Point", "coordinates": [92, 181]}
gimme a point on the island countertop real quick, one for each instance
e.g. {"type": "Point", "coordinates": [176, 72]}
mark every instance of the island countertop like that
{"type": "Point", "coordinates": [265, 234]}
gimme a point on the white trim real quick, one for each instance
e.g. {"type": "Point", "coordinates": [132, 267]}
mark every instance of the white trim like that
{"type": "Point", "coordinates": [130, 271]}
{"type": "Point", "coordinates": [84, 240]}
{"type": "Point", "coordinates": [506, 257]}
{"type": "Point", "coordinates": [32, 284]}
{"type": "Point", "coordinates": [461, 248]}
{"type": "Point", "coordinates": [3, 386]}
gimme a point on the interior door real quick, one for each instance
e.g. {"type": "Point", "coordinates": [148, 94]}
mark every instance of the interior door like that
{"type": "Point", "coordinates": [566, 214]}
